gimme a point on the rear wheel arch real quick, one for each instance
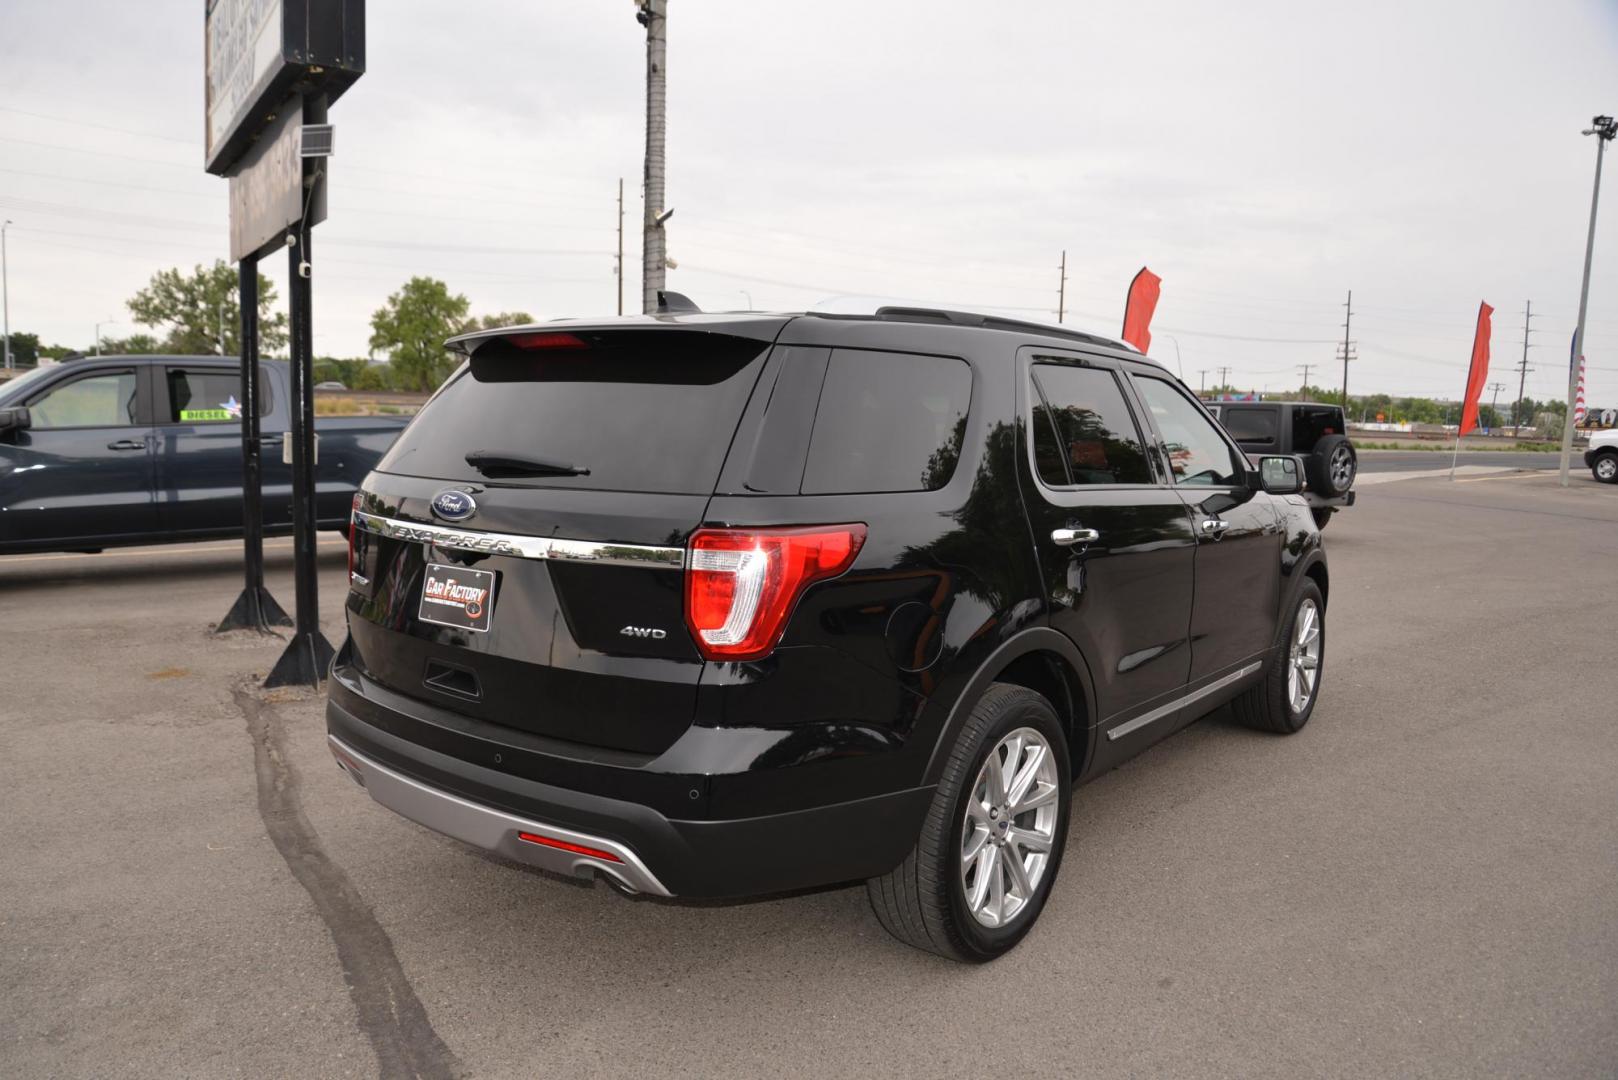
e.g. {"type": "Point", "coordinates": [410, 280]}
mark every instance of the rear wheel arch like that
{"type": "Point", "coordinates": [1317, 573]}
{"type": "Point", "coordinates": [1040, 659]}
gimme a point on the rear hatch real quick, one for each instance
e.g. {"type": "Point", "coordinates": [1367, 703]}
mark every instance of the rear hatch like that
{"type": "Point", "coordinates": [544, 591]}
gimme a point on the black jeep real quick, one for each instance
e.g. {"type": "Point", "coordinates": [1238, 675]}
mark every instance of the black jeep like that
{"type": "Point", "coordinates": [734, 604]}
{"type": "Point", "coordinates": [1317, 433]}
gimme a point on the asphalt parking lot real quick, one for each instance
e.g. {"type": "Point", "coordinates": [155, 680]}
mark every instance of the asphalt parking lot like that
{"type": "Point", "coordinates": [1422, 883]}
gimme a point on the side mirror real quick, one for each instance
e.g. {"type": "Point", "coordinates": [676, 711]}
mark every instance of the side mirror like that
{"type": "Point", "coordinates": [14, 419]}
{"type": "Point", "coordinates": [1280, 475]}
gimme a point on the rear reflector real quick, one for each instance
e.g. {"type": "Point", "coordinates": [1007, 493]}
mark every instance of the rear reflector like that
{"type": "Point", "coordinates": [742, 584]}
{"type": "Point", "coordinates": [552, 340]}
{"type": "Point", "coordinates": [353, 530]}
{"type": "Point", "coordinates": [563, 845]}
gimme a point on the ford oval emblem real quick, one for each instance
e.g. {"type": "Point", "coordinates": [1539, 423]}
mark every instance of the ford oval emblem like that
{"type": "Point", "coordinates": [452, 505]}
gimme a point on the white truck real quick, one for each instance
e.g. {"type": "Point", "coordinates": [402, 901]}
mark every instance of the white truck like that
{"type": "Point", "coordinates": [1602, 456]}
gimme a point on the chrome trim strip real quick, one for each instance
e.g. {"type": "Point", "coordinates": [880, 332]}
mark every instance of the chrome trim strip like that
{"type": "Point", "coordinates": [1181, 702]}
{"type": "Point", "coordinates": [490, 829]}
{"type": "Point", "coordinates": [524, 547]}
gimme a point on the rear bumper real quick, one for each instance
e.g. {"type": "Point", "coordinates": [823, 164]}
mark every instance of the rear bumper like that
{"type": "Point", "coordinates": [538, 843]}
{"type": "Point", "coordinates": [650, 851]}
{"type": "Point", "coordinates": [1316, 499]}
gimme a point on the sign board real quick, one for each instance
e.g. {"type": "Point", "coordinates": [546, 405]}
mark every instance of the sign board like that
{"type": "Point", "coordinates": [258, 52]}
{"type": "Point", "coordinates": [266, 190]}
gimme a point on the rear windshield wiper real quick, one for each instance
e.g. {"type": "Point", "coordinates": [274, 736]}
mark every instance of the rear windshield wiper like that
{"type": "Point", "coordinates": [507, 463]}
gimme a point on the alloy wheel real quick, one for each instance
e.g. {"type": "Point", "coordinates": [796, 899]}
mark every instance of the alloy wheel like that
{"type": "Point", "coordinates": [1303, 659]}
{"type": "Point", "coordinates": [1607, 467]}
{"type": "Point", "coordinates": [1009, 827]}
{"type": "Point", "coordinates": [1342, 468]}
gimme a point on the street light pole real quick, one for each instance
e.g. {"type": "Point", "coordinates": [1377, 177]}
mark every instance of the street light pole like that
{"type": "Point", "coordinates": [5, 290]}
{"type": "Point", "coordinates": [1604, 128]}
{"type": "Point", "coordinates": [99, 325]}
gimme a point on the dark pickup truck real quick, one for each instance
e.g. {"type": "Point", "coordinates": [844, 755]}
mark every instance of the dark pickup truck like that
{"type": "Point", "coordinates": [113, 450]}
{"type": "Point", "coordinates": [1315, 432]}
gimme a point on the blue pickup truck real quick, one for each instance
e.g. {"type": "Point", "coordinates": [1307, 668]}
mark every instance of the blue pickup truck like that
{"type": "Point", "coordinates": [113, 450]}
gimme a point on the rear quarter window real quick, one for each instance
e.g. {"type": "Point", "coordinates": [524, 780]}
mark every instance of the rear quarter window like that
{"type": "Point", "coordinates": [1251, 425]}
{"type": "Point", "coordinates": [887, 422]}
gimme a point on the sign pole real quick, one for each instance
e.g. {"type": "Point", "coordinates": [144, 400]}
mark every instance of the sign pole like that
{"type": "Point", "coordinates": [255, 608]}
{"type": "Point", "coordinates": [309, 654]}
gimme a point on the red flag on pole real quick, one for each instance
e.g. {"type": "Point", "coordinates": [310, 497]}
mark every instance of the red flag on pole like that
{"type": "Point", "coordinates": [1139, 306]}
{"type": "Point", "coordinates": [1479, 373]}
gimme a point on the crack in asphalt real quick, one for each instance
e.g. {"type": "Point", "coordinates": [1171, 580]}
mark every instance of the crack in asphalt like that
{"type": "Point", "coordinates": [388, 1011]}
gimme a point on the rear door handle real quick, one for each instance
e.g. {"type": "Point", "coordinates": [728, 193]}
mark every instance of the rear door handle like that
{"type": "Point", "coordinates": [1215, 527]}
{"type": "Point", "coordinates": [1070, 537]}
{"type": "Point", "coordinates": [127, 444]}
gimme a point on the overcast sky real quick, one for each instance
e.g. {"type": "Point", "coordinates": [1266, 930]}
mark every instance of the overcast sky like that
{"type": "Point", "coordinates": [1263, 158]}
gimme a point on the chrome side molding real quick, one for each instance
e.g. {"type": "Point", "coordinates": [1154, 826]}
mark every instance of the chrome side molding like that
{"type": "Point", "coordinates": [1181, 702]}
{"type": "Point", "coordinates": [524, 547]}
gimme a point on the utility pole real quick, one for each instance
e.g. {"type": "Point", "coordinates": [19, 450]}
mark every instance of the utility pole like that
{"type": "Point", "coordinates": [1347, 346]}
{"type": "Point", "coordinates": [1604, 128]}
{"type": "Point", "coordinates": [1202, 380]}
{"type": "Point", "coordinates": [1061, 289]}
{"type": "Point", "coordinates": [5, 289]}
{"type": "Point", "coordinates": [1522, 370]}
{"type": "Point", "coordinates": [1305, 369]}
{"type": "Point", "coordinates": [1494, 403]}
{"type": "Point", "coordinates": [220, 307]}
{"type": "Point", "coordinates": [620, 245]}
{"type": "Point", "coordinates": [1224, 377]}
{"type": "Point", "coordinates": [653, 14]}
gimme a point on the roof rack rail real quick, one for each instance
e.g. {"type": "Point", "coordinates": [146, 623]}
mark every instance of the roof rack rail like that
{"type": "Point", "coordinates": [993, 322]}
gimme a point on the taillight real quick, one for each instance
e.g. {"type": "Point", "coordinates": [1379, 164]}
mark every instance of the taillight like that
{"type": "Point", "coordinates": [741, 584]}
{"type": "Point", "coordinates": [353, 529]}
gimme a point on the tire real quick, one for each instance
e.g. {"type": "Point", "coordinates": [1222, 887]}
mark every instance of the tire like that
{"type": "Point", "coordinates": [1605, 468]}
{"type": "Point", "coordinates": [1270, 705]}
{"type": "Point", "coordinates": [1332, 466]}
{"type": "Point", "coordinates": [1321, 514]}
{"type": "Point", "coordinates": [924, 901]}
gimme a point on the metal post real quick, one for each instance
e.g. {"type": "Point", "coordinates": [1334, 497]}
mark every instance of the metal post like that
{"type": "Point", "coordinates": [308, 655]}
{"type": "Point", "coordinates": [654, 256]}
{"type": "Point", "coordinates": [255, 608]}
{"type": "Point", "coordinates": [1603, 128]}
{"type": "Point", "coordinates": [5, 289]}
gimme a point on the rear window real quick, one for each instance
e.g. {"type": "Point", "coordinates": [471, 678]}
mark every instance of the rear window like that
{"type": "Point", "coordinates": [208, 396]}
{"type": "Point", "coordinates": [1083, 431]}
{"type": "Point", "coordinates": [642, 411]}
{"type": "Point", "coordinates": [887, 422]}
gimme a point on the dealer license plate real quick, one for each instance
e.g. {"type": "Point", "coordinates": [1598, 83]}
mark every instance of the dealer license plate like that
{"type": "Point", "coordinates": [457, 596]}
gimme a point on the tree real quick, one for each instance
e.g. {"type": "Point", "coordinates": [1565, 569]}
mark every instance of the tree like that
{"type": "Point", "coordinates": [24, 350]}
{"type": "Point", "coordinates": [135, 345]}
{"type": "Point", "coordinates": [496, 321]}
{"type": "Point", "coordinates": [412, 327]}
{"type": "Point", "coordinates": [192, 306]}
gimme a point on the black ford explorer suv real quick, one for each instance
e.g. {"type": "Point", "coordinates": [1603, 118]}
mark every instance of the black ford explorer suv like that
{"type": "Point", "coordinates": [724, 605]}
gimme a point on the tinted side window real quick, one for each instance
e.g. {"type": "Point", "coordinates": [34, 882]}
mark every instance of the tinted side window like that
{"type": "Point", "coordinates": [1197, 453]}
{"type": "Point", "coordinates": [103, 400]}
{"type": "Point", "coordinates": [1251, 425]}
{"type": "Point", "coordinates": [208, 396]}
{"type": "Point", "coordinates": [1083, 431]}
{"type": "Point", "coordinates": [887, 422]}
